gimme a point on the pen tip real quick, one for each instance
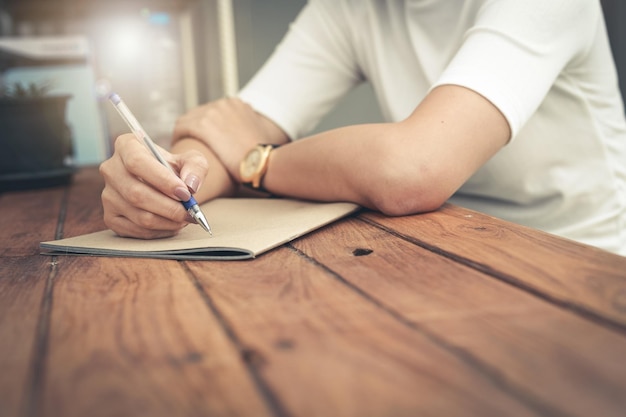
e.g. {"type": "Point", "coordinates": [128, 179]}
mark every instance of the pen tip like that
{"type": "Point", "coordinates": [204, 223]}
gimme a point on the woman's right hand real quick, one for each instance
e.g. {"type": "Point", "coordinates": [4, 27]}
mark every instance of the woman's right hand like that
{"type": "Point", "coordinates": [142, 198]}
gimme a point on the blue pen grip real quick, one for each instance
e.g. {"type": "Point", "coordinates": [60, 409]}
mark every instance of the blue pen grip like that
{"type": "Point", "coordinates": [190, 203]}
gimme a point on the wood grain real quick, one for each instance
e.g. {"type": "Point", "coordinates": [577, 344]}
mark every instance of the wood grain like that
{"type": "Point", "coordinates": [22, 289]}
{"type": "Point", "coordinates": [84, 213]}
{"type": "Point", "coordinates": [555, 362]}
{"type": "Point", "coordinates": [26, 218]}
{"type": "Point", "coordinates": [323, 349]}
{"type": "Point", "coordinates": [449, 313]}
{"type": "Point", "coordinates": [133, 337]}
{"type": "Point", "coordinates": [587, 280]}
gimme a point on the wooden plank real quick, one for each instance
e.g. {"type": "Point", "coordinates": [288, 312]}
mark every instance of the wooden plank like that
{"type": "Point", "coordinates": [84, 207]}
{"type": "Point", "coordinates": [133, 337]}
{"type": "Point", "coordinates": [22, 286]}
{"type": "Point", "coordinates": [322, 349]}
{"type": "Point", "coordinates": [555, 361]}
{"type": "Point", "coordinates": [27, 218]}
{"type": "Point", "coordinates": [576, 276]}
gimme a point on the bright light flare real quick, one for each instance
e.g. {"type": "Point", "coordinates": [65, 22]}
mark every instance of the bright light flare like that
{"type": "Point", "coordinates": [126, 43]}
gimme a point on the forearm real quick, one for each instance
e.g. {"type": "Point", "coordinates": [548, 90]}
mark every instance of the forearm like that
{"type": "Point", "coordinates": [355, 163]}
{"type": "Point", "coordinates": [398, 168]}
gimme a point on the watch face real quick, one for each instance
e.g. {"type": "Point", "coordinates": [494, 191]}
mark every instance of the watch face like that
{"type": "Point", "coordinates": [251, 164]}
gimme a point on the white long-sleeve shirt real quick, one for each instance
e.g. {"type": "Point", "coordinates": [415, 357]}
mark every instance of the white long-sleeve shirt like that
{"type": "Point", "coordinates": [546, 65]}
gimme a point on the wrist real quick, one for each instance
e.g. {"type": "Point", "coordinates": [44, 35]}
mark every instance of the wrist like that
{"type": "Point", "coordinates": [218, 181]}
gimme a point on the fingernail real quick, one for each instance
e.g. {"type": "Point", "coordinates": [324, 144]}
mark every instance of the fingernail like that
{"type": "Point", "coordinates": [182, 193]}
{"type": "Point", "coordinates": [192, 182]}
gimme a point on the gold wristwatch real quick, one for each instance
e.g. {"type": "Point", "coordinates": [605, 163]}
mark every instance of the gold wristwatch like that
{"type": "Point", "coordinates": [254, 166]}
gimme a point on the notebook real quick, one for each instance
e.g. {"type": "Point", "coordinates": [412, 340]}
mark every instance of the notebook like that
{"type": "Point", "coordinates": [243, 228]}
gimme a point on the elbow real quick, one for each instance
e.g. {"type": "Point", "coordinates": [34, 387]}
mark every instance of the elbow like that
{"type": "Point", "coordinates": [398, 192]}
{"type": "Point", "coordinates": [407, 202]}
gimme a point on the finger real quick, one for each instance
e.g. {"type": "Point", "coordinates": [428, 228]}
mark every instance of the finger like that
{"type": "Point", "coordinates": [122, 185]}
{"type": "Point", "coordinates": [139, 201]}
{"type": "Point", "coordinates": [191, 123]}
{"type": "Point", "coordinates": [143, 222]}
{"type": "Point", "coordinates": [140, 162]}
{"type": "Point", "coordinates": [193, 167]}
{"type": "Point", "coordinates": [126, 228]}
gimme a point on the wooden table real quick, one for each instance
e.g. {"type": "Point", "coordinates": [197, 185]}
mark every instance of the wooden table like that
{"type": "Point", "coordinates": [451, 313]}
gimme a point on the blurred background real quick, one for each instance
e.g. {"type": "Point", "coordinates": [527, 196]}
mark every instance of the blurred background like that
{"type": "Point", "coordinates": [162, 56]}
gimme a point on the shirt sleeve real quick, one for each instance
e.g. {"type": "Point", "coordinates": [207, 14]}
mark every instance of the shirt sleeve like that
{"type": "Point", "coordinates": [309, 72]}
{"type": "Point", "coordinates": [516, 50]}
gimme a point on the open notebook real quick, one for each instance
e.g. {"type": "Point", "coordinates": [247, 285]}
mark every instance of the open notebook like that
{"type": "Point", "coordinates": [242, 228]}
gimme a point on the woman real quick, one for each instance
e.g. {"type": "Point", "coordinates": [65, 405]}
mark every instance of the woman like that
{"type": "Point", "coordinates": [507, 107]}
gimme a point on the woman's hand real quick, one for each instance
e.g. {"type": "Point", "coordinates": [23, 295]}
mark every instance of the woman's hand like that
{"type": "Point", "coordinates": [141, 197]}
{"type": "Point", "coordinates": [230, 128]}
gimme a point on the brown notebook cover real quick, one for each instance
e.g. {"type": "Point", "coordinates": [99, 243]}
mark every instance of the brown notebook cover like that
{"type": "Point", "coordinates": [242, 228]}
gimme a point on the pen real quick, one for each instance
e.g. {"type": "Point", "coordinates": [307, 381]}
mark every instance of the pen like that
{"type": "Point", "coordinates": [192, 206]}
